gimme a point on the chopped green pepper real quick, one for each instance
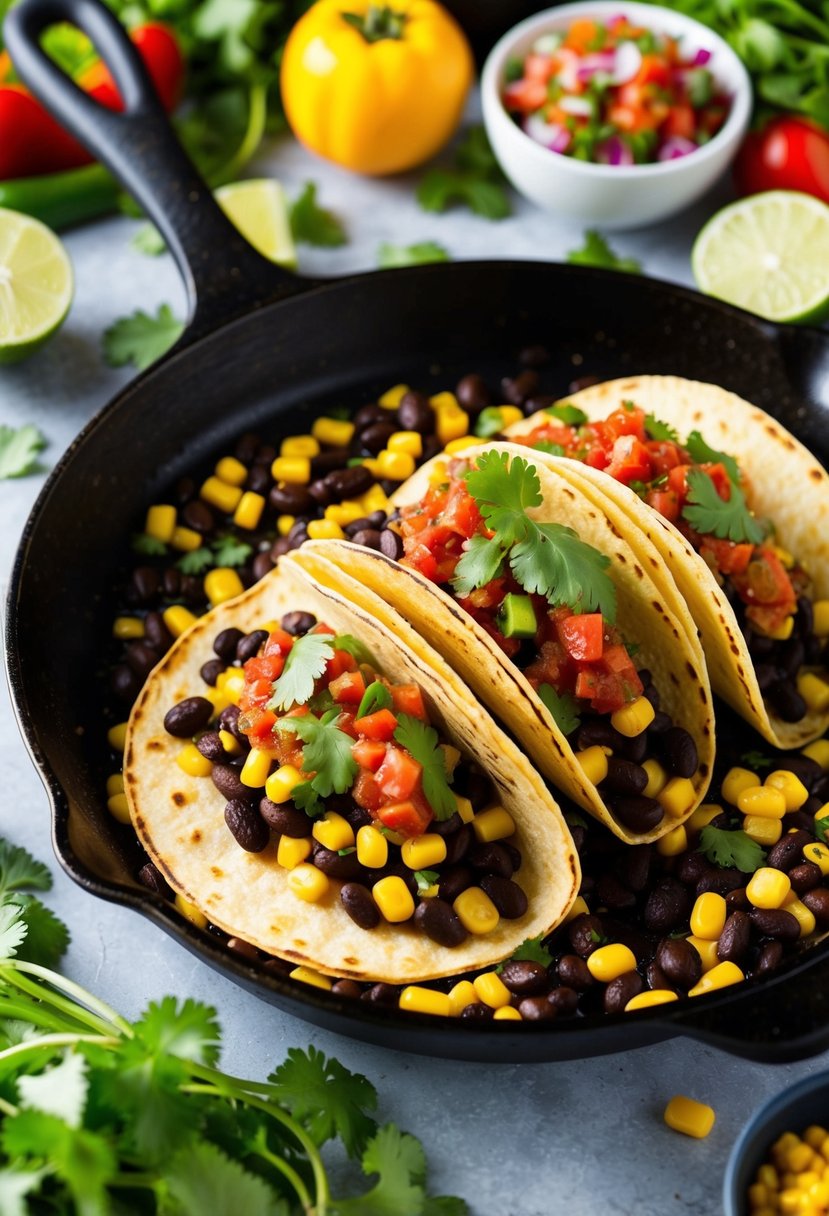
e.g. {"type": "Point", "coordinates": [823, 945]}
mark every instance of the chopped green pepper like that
{"type": "Point", "coordinates": [517, 617]}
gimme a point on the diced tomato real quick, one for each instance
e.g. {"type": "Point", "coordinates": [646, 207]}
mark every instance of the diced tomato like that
{"type": "Point", "coordinates": [525, 95]}
{"type": "Point", "coordinates": [664, 456]}
{"type": "Point", "coordinates": [348, 689]}
{"type": "Point", "coordinates": [461, 512]}
{"type": "Point", "coordinates": [597, 458]}
{"type": "Point", "coordinates": [539, 67]}
{"type": "Point", "coordinates": [766, 582]}
{"type": "Point", "coordinates": [323, 628]}
{"type": "Point", "coordinates": [380, 725]}
{"type": "Point", "coordinates": [408, 699]}
{"type": "Point", "coordinates": [260, 723]}
{"type": "Point", "coordinates": [678, 482]}
{"type": "Point", "coordinates": [681, 121]}
{"type": "Point", "coordinates": [369, 753]}
{"type": "Point", "coordinates": [768, 618]}
{"type": "Point", "coordinates": [550, 667]}
{"type": "Point", "coordinates": [616, 659]}
{"type": "Point", "coordinates": [421, 559]}
{"type": "Point", "coordinates": [630, 460]}
{"type": "Point", "coordinates": [728, 557]}
{"type": "Point", "coordinates": [258, 691]}
{"type": "Point", "coordinates": [606, 691]}
{"type": "Point", "coordinates": [339, 662]}
{"type": "Point", "coordinates": [582, 636]}
{"type": "Point", "coordinates": [666, 502]}
{"type": "Point", "coordinates": [279, 642]}
{"type": "Point", "coordinates": [626, 422]}
{"type": "Point", "coordinates": [366, 792]}
{"type": "Point", "coordinates": [653, 70]}
{"type": "Point", "coordinates": [264, 667]}
{"type": "Point", "coordinates": [345, 723]}
{"type": "Point", "coordinates": [720, 478]}
{"type": "Point", "coordinates": [399, 773]}
{"type": "Point", "coordinates": [489, 596]}
{"type": "Point", "coordinates": [404, 817]}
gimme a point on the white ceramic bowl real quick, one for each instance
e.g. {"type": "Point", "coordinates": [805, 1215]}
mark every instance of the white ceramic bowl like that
{"type": "Point", "coordinates": [613, 196]}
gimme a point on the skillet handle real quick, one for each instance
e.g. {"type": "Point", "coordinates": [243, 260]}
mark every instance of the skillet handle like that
{"type": "Point", "coordinates": [224, 276]}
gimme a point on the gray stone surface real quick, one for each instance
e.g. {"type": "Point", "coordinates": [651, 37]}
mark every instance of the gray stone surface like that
{"type": "Point", "coordinates": [582, 1138]}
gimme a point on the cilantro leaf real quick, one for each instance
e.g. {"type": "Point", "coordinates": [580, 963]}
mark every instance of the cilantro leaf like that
{"type": "Point", "coordinates": [200, 1178]}
{"type": "Point", "coordinates": [821, 828]}
{"type": "Point", "coordinates": [312, 224]}
{"type": "Point", "coordinates": [390, 256]}
{"type": "Point", "coordinates": [475, 181]}
{"type": "Point", "coordinates": [18, 450]}
{"type": "Point", "coordinates": [305, 798]}
{"type": "Point", "coordinates": [474, 154]}
{"type": "Point", "coordinates": [229, 551]}
{"type": "Point", "coordinates": [376, 696]}
{"type": "Point", "coordinates": [755, 760]}
{"type": "Point", "coordinates": [82, 1159]}
{"type": "Point", "coordinates": [597, 252]}
{"type": "Point", "coordinates": [426, 879]}
{"type": "Point", "coordinates": [552, 449]}
{"type": "Point", "coordinates": [46, 935]}
{"type": "Point", "coordinates": [567, 413]}
{"type": "Point", "coordinates": [727, 848]}
{"type": "Point", "coordinates": [141, 338]}
{"type": "Point", "coordinates": [421, 742]}
{"type": "Point", "coordinates": [701, 453]}
{"type": "Point", "coordinates": [60, 1090]}
{"type": "Point", "coordinates": [12, 929]}
{"type": "Point", "coordinates": [713, 516]}
{"type": "Point", "coordinates": [306, 662]}
{"type": "Point", "coordinates": [399, 1161]}
{"type": "Point", "coordinates": [500, 483]}
{"type": "Point", "coordinates": [327, 751]}
{"type": "Point", "coordinates": [19, 871]}
{"type": "Point", "coordinates": [480, 563]}
{"type": "Point", "coordinates": [489, 422]}
{"type": "Point", "coordinates": [148, 240]}
{"type": "Point", "coordinates": [148, 546]}
{"type": "Point", "coordinates": [532, 950]}
{"type": "Point", "coordinates": [189, 1031]}
{"type": "Point", "coordinates": [326, 1098]}
{"type": "Point", "coordinates": [660, 430]}
{"type": "Point", "coordinates": [353, 646]}
{"type": "Point", "coordinates": [195, 561]}
{"type": "Point", "coordinates": [562, 706]}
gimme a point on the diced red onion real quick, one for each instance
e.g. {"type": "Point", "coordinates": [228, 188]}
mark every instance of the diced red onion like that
{"type": "Point", "coordinates": [550, 135]}
{"type": "Point", "coordinates": [701, 59]}
{"type": "Point", "coordinates": [568, 73]}
{"type": "Point", "coordinates": [628, 60]}
{"type": "Point", "coordinates": [614, 151]}
{"type": "Point", "coordinates": [675, 147]}
{"type": "Point", "coordinates": [618, 19]}
{"type": "Point", "coordinates": [602, 61]}
{"type": "Point", "coordinates": [579, 107]}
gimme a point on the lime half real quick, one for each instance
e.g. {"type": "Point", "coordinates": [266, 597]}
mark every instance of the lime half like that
{"type": "Point", "coordinates": [768, 253]}
{"type": "Point", "coordinates": [35, 284]}
{"type": "Point", "coordinates": [259, 210]}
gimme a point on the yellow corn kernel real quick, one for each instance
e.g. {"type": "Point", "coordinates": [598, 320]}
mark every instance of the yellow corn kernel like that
{"type": "Point", "coordinates": [375, 499]}
{"type": "Point", "coordinates": [763, 801]}
{"type": "Point", "coordinates": [325, 529]}
{"type": "Point", "coordinates": [708, 916]}
{"type": "Point", "coordinates": [415, 999]}
{"type": "Point", "coordinates": [220, 495]}
{"type": "Point", "coordinates": [249, 511]}
{"type": "Point", "coordinates": [177, 618]}
{"type": "Point", "coordinates": [678, 796]}
{"type": "Point", "coordinates": [308, 883]}
{"type": "Point", "coordinates": [818, 751]}
{"type": "Point", "coordinates": [736, 781]}
{"type": "Point", "coordinates": [394, 899]}
{"type": "Point", "coordinates": [191, 761]}
{"type": "Point", "coordinates": [689, 1117]}
{"type": "Point", "coordinates": [784, 1142]}
{"type": "Point", "coordinates": [371, 464]}
{"type": "Point", "coordinates": [465, 809]}
{"type": "Point", "coordinates": [444, 401]}
{"type": "Point", "coordinates": [299, 445]}
{"type": "Point", "coordinates": [186, 539]}
{"type": "Point", "coordinates": [814, 1136]}
{"type": "Point", "coordinates": [118, 807]}
{"type": "Point", "coordinates": [438, 474]}
{"type": "Point", "coordinates": [392, 397]}
{"type": "Point", "coordinates": [461, 995]}
{"type": "Point", "coordinates": [804, 917]}
{"type": "Point", "coordinates": [222, 584]}
{"type": "Point", "coordinates": [632, 719]}
{"type": "Point", "coordinates": [410, 442]}
{"type": "Point", "coordinates": [396, 466]}
{"type": "Point", "coordinates": [702, 816]}
{"type": "Point", "coordinates": [451, 423]}
{"type": "Point", "coordinates": [491, 989]}
{"type": "Point", "coordinates": [333, 832]}
{"type": "Point", "coordinates": [191, 912]}
{"type": "Point", "coordinates": [460, 445]}
{"type": "Point", "coordinates": [814, 691]}
{"type": "Point", "coordinates": [799, 1157]}
{"type": "Point", "coordinates": [593, 761]}
{"type": "Point", "coordinates": [820, 610]}
{"type": "Point", "coordinates": [421, 852]}
{"type": "Point", "coordinates": [495, 823]}
{"type": "Point", "coordinates": [657, 779]}
{"type": "Point", "coordinates": [295, 470]}
{"type": "Point", "coordinates": [281, 784]}
{"type": "Point", "coordinates": [232, 471]}
{"type": "Point", "coordinates": [647, 1000]}
{"type": "Point", "coordinates": [284, 523]}
{"type": "Point", "coordinates": [764, 831]}
{"type": "Point", "coordinates": [335, 432]}
{"type": "Point", "coordinates": [783, 632]}
{"type": "Point", "coordinates": [342, 513]}
{"type": "Point", "coordinates": [768, 888]}
{"type": "Point", "coordinates": [476, 911]}
{"type": "Point", "coordinates": [767, 1174]}
{"type": "Point", "coordinates": [819, 854]}
{"type": "Point", "coordinates": [160, 522]}
{"type": "Point", "coordinates": [127, 627]}
{"type": "Point", "coordinates": [234, 685]}
{"type": "Point", "coordinates": [117, 736]}
{"type": "Point", "coordinates": [230, 743]}
{"type": "Point", "coordinates": [293, 850]}
{"type": "Point", "coordinates": [707, 950]}
{"type": "Point", "coordinates": [758, 1195]}
{"type": "Point", "coordinates": [721, 976]}
{"type": "Point", "coordinates": [315, 979]}
{"type": "Point", "coordinates": [510, 414]}
{"type": "Point", "coordinates": [507, 1013]}
{"type": "Point", "coordinates": [609, 962]}
{"type": "Point", "coordinates": [790, 786]}
{"type": "Point", "coordinates": [579, 908]}
{"type": "Point", "coordinates": [254, 772]}
{"type": "Point", "coordinates": [115, 784]}
{"type": "Point", "coordinates": [789, 1201]}
{"type": "Point", "coordinates": [372, 848]}
{"type": "Point", "coordinates": [819, 1194]}
{"type": "Point", "coordinates": [673, 843]}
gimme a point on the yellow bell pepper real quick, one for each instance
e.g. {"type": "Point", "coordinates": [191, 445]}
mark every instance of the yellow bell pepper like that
{"type": "Point", "coordinates": [375, 88]}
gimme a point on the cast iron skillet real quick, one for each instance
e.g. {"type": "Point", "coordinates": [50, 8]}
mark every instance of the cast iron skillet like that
{"type": "Point", "coordinates": [265, 350]}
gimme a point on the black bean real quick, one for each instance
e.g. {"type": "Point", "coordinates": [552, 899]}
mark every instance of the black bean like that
{"type": "Point", "coordinates": [259, 480]}
{"type": "Point", "coordinates": [564, 1000]}
{"type": "Point", "coordinates": [691, 868]}
{"type": "Point", "coordinates": [453, 881]}
{"type": "Point", "coordinates": [210, 746]}
{"type": "Point", "coordinates": [391, 544]}
{"type": "Point", "coordinates": [537, 1009]}
{"type": "Point", "coordinates": [290, 499]}
{"type": "Point", "coordinates": [350, 482]}
{"type": "Point", "coordinates": [524, 977]}
{"type": "Point", "coordinates": [737, 900]}
{"type": "Point", "coordinates": [382, 994]}
{"type": "Point", "coordinates": [415, 413]}
{"type": "Point", "coordinates": [248, 647]}
{"type": "Point", "coordinates": [807, 770]}
{"type": "Point", "coordinates": [265, 454]}
{"type": "Point", "coordinates": [375, 437]}
{"type": "Point", "coordinates": [574, 972]}
{"type": "Point", "coordinates": [211, 670]}
{"type": "Point", "coordinates": [145, 583]}
{"type": "Point", "coordinates": [124, 682]}
{"type": "Point", "coordinates": [226, 780]}
{"type": "Point", "coordinates": [439, 921]}
{"type": "Point", "coordinates": [357, 816]}
{"type": "Point", "coordinates": [156, 632]}
{"type": "Point", "coordinates": [458, 845]}
{"type": "Point", "coordinates": [246, 448]}
{"type": "Point", "coordinates": [472, 393]}
{"type": "Point", "coordinates": [510, 899]}
{"type": "Point", "coordinates": [358, 903]}
{"type": "Point", "coordinates": [817, 901]}
{"type": "Point", "coordinates": [247, 951]}
{"type": "Point", "coordinates": [661, 722]}
{"type": "Point", "coordinates": [368, 538]}
{"type": "Point", "coordinates": [805, 877]}
{"type": "Point", "coordinates": [612, 893]}
{"type": "Point", "coordinates": [225, 643]}
{"type": "Point", "coordinates": [151, 877]}
{"type": "Point", "coordinates": [229, 721]}
{"type": "Point", "coordinates": [760, 646]}
{"type": "Point", "coordinates": [624, 777]}
{"type": "Point", "coordinates": [770, 956]}
{"type": "Point", "coordinates": [721, 882]}
{"type": "Point", "coordinates": [198, 516]}
{"type": "Point", "coordinates": [621, 990]}
{"type": "Point", "coordinates": [517, 389]}
{"type": "Point", "coordinates": [799, 821]}
{"type": "Point", "coordinates": [491, 858]}
{"type": "Point", "coordinates": [188, 716]}
{"type": "Point", "coordinates": [447, 827]}
{"type": "Point", "coordinates": [247, 826]}
{"type": "Point", "coordinates": [792, 655]}
{"type": "Point", "coordinates": [655, 977]}
{"type": "Point", "coordinates": [679, 751]}
{"type": "Point", "coordinates": [651, 693]}
{"type": "Point", "coordinates": [735, 938]}
{"type": "Point", "coordinates": [788, 851]}
{"type": "Point", "coordinates": [767, 674]}
{"type": "Point", "coordinates": [320, 493]}
{"type": "Point", "coordinates": [478, 1012]}
{"type": "Point", "coordinates": [667, 906]}
{"type": "Point", "coordinates": [367, 415]}
{"type": "Point", "coordinates": [585, 934]}
{"type": "Point", "coordinates": [141, 657]}
{"type": "Point", "coordinates": [776, 923]}
{"type": "Point", "coordinates": [298, 623]}
{"type": "Point", "coordinates": [343, 866]}
{"type": "Point", "coordinates": [812, 805]}
{"type": "Point", "coordinates": [350, 989]}
{"type": "Point", "coordinates": [637, 814]}
{"type": "Point", "coordinates": [636, 865]}
{"type": "Point", "coordinates": [285, 818]}
{"type": "Point", "coordinates": [597, 732]}
{"type": "Point", "coordinates": [637, 748]}
{"type": "Point", "coordinates": [640, 942]}
{"type": "Point", "coordinates": [326, 462]}
{"type": "Point", "coordinates": [787, 701]}
{"type": "Point", "coordinates": [357, 525]}
{"type": "Point", "coordinates": [513, 853]}
{"type": "Point", "coordinates": [171, 583]}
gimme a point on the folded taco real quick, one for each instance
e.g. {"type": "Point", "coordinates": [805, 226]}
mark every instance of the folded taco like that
{"type": "Point", "coordinates": [540, 603]}
{"type": "Point", "coordinates": [315, 786]}
{"type": "Point", "coordinates": [739, 511]}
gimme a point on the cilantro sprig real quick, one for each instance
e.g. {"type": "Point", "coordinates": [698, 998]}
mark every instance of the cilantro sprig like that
{"type": "Point", "coordinates": [701, 453]}
{"type": "Point", "coordinates": [19, 449]}
{"type": "Point", "coordinates": [563, 707]}
{"type": "Point", "coordinates": [597, 252]}
{"type": "Point", "coordinates": [306, 662]}
{"type": "Point", "coordinates": [731, 848]}
{"type": "Point", "coordinates": [657, 429]}
{"type": "Point", "coordinates": [547, 559]}
{"type": "Point", "coordinates": [567, 413]}
{"type": "Point", "coordinates": [421, 742]}
{"type": "Point", "coordinates": [141, 338]}
{"type": "Point", "coordinates": [714, 516]}
{"type": "Point", "coordinates": [326, 754]}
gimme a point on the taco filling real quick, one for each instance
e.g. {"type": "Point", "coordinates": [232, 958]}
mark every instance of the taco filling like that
{"type": "Point", "coordinates": [706, 496]}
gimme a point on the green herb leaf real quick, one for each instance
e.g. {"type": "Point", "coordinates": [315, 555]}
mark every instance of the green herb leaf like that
{"type": "Point", "coordinates": [19, 871]}
{"type": "Point", "coordinates": [552, 449]}
{"type": "Point", "coordinates": [474, 154]}
{"type": "Point", "coordinates": [201, 1178]}
{"type": "Point", "coordinates": [83, 1160]}
{"type": "Point", "coordinates": [480, 563]}
{"type": "Point", "coordinates": [489, 422]}
{"type": "Point", "coordinates": [701, 453]}
{"type": "Point", "coordinates": [821, 828]}
{"type": "Point", "coordinates": [148, 546]}
{"type": "Point", "coordinates": [390, 256]}
{"type": "Point", "coordinates": [12, 929]}
{"type": "Point", "coordinates": [46, 935]}
{"type": "Point", "coordinates": [230, 551]}
{"type": "Point", "coordinates": [376, 696]}
{"type": "Point", "coordinates": [754, 760]}
{"type": "Point", "coordinates": [660, 430]}
{"type": "Point", "coordinates": [713, 516]}
{"type": "Point", "coordinates": [726, 848]}
{"type": "Point", "coordinates": [305, 798]}
{"type": "Point", "coordinates": [476, 181]}
{"type": "Point", "coordinates": [531, 950]}
{"type": "Point", "coordinates": [597, 252]}
{"type": "Point", "coordinates": [327, 1099]}
{"type": "Point", "coordinates": [312, 224]}
{"type": "Point", "coordinates": [196, 561]}
{"type": "Point", "coordinates": [399, 1161]}
{"type": "Point", "coordinates": [141, 338]}
{"type": "Point", "coordinates": [327, 751]}
{"type": "Point", "coordinates": [421, 742]}
{"type": "Point", "coordinates": [353, 646]}
{"type": "Point", "coordinates": [148, 240]}
{"type": "Point", "coordinates": [306, 662]}
{"type": "Point", "coordinates": [61, 1090]}
{"type": "Point", "coordinates": [567, 413]}
{"type": "Point", "coordinates": [18, 451]}
{"type": "Point", "coordinates": [187, 1030]}
{"type": "Point", "coordinates": [562, 706]}
{"type": "Point", "coordinates": [426, 879]}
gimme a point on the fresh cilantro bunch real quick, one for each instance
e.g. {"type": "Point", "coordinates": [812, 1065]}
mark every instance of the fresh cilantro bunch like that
{"type": "Point", "coordinates": [731, 848]}
{"type": "Point", "coordinates": [597, 252]}
{"type": "Point", "coordinates": [474, 181]}
{"type": "Point", "coordinates": [19, 450]}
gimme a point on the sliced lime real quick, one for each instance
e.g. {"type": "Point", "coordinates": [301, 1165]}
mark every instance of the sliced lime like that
{"type": "Point", "coordinates": [260, 212]}
{"type": "Point", "coordinates": [36, 284]}
{"type": "Point", "coordinates": [768, 253]}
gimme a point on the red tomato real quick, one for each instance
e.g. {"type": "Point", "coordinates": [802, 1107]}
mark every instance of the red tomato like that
{"type": "Point", "coordinates": [681, 121]}
{"type": "Point", "coordinates": [399, 773]}
{"type": "Point", "coordinates": [789, 153]}
{"type": "Point", "coordinates": [582, 636]}
{"type": "Point", "coordinates": [260, 725]}
{"type": "Point", "coordinates": [380, 725]}
{"type": "Point", "coordinates": [369, 754]}
{"type": "Point", "coordinates": [405, 817]}
{"type": "Point", "coordinates": [264, 667]}
{"type": "Point", "coordinates": [348, 689]}
{"type": "Point", "coordinates": [279, 642]}
{"type": "Point", "coordinates": [665, 502]}
{"type": "Point", "coordinates": [630, 460]}
{"type": "Point", "coordinates": [408, 699]}
{"type": "Point", "coordinates": [366, 792]}
{"type": "Point", "coordinates": [525, 95]}
{"type": "Point", "coordinates": [339, 662]}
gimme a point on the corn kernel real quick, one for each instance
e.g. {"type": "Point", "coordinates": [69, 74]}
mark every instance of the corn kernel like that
{"type": "Point", "coordinates": [372, 848]}
{"type": "Point", "coordinates": [127, 627]}
{"type": "Point", "coordinates": [708, 916]}
{"type": "Point", "coordinates": [222, 584]}
{"type": "Point", "coordinates": [507, 1013]}
{"type": "Point", "coordinates": [230, 743]}
{"type": "Point", "coordinates": [335, 432]}
{"type": "Point", "coordinates": [609, 962]}
{"type": "Point", "coordinates": [495, 823]}
{"type": "Point", "coordinates": [736, 781]}
{"type": "Point", "coordinates": [461, 445]}
{"type": "Point", "coordinates": [789, 1200]}
{"type": "Point", "coordinates": [315, 979]}
{"type": "Point", "coordinates": [764, 831]}
{"type": "Point", "coordinates": [438, 474]}
{"type": "Point", "coordinates": [295, 470]}
{"type": "Point", "coordinates": [768, 888]}
{"type": "Point", "coordinates": [784, 631]}
{"type": "Point", "coordinates": [510, 414]}
{"type": "Point", "coordinates": [721, 976]}
{"type": "Point", "coordinates": [819, 751]}
{"type": "Point", "coordinates": [396, 466]}
{"type": "Point", "coordinates": [343, 513]}
{"type": "Point", "coordinates": [758, 1195]}
{"type": "Point", "coordinates": [819, 1193]}
{"type": "Point", "coordinates": [220, 495]}
{"type": "Point", "coordinates": [191, 761]}
{"type": "Point", "coordinates": [394, 899]}
{"type": "Point", "coordinates": [254, 772]}
{"type": "Point", "coordinates": [632, 719]}
{"type": "Point", "coordinates": [249, 511]}
{"type": "Point", "coordinates": [444, 401]}
{"type": "Point", "coordinates": [820, 611]}
{"type": "Point", "coordinates": [814, 1136]}
{"type": "Point", "coordinates": [689, 1117]}
{"type": "Point", "coordinates": [579, 908]}
{"type": "Point", "coordinates": [325, 529]}
{"type": "Point", "coordinates": [451, 423]}
{"type": "Point", "coordinates": [178, 619]}
{"type": "Point", "coordinates": [678, 796]}
{"type": "Point", "coordinates": [790, 786]}
{"type": "Point", "coordinates": [593, 761]}
{"type": "Point", "coordinates": [706, 948]}
{"type": "Point", "coordinates": [476, 911]}
{"type": "Point", "coordinates": [425, 1000]}
{"type": "Point", "coordinates": [299, 445]}
{"type": "Point", "coordinates": [702, 816]}
{"type": "Point", "coordinates": [392, 397]}
{"type": "Point", "coordinates": [410, 442]}
{"type": "Point", "coordinates": [293, 850]}
{"type": "Point", "coordinates": [461, 995]}
{"type": "Point", "coordinates": [186, 540]}
{"type": "Point", "coordinates": [819, 854]}
{"type": "Point", "coordinates": [115, 784]}
{"type": "Point", "coordinates": [119, 808]}
{"type": "Point", "coordinates": [814, 691]}
{"type": "Point", "coordinates": [673, 843]}
{"type": "Point", "coordinates": [799, 1157]}
{"type": "Point", "coordinates": [421, 852]}
{"type": "Point", "coordinates": [785, 558]}
{"type": "Point", "coordinates": [804, 917]}
{"type": "Point", "coordinates": [763, 801]}
{"type": "Point", "coordinates": [160, 522]}
{"type": "Point", "coordinates": [308, 883]}
{"type": "Point", "coordinates": [465, 809]}
{"type": "Point", "coordinates": [281, 784]}
{"type": "Point", "coordinates": [232, 471]}
{"type": "Point", "coordinates": [647, 1000]}
{"type": "Point", "coordinates": [191, 912]}
{"type": "Point", "coordinates": [767, 1174]}
{"type": "Point", "coordinates": [394, 837]}
{"type": "Point", "coordinates": [284, 523]}
{"type": "Point", "coordinates": [117, 736]}
{"type": "Point", "coordinates": [375, 499]}
{"type": "Point", "coordinates": [492, 990]}
{"type": "Point", "coordinates": [333, 832]}
{"type": "Point", "coordinates": [657, 779]}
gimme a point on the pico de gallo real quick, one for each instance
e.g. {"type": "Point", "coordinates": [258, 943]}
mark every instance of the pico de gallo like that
{"type": "Point", "coordinates": [614, 93]}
